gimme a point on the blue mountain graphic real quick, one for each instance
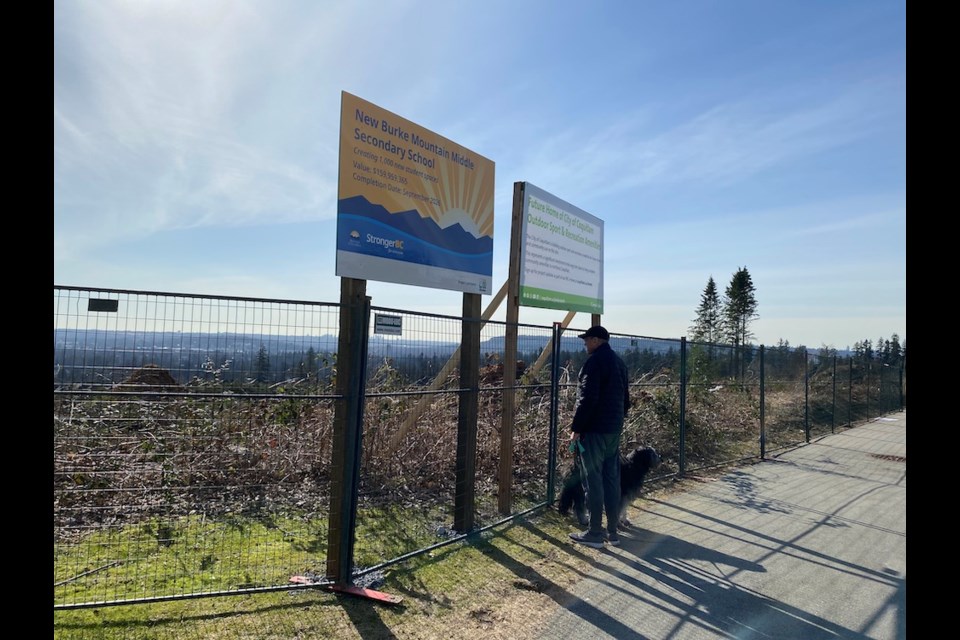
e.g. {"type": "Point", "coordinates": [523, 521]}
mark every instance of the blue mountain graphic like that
{"type": "Point", "coordinates": [454, 238]}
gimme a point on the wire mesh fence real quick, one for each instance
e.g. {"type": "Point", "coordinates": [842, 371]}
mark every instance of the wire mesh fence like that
{"type": "Point", "coordinates": [193, 434]}
{"type": "Point", "coordinates": [191, 443]}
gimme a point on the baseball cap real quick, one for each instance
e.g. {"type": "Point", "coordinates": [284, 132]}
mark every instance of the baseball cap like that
{"type": "Point", "coordinates": [595, 332]}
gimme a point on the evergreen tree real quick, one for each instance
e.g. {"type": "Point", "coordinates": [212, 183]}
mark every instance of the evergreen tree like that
{"type": "Point", "coordinates": [739, 310]}
{"type": "Point", "coordinates": [707, 325]}
{"type": "Point", "coordinates": [895, 353]}
{"type": "Point", "coordinates": [263, 364]}
{"type": "Point", "coordinates": [863, 350]}
{"type": "Point", "coordinates": [739, 307]}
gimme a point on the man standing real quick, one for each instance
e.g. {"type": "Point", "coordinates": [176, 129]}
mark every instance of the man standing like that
{"type": "Point", "coordinates": [603, 399]}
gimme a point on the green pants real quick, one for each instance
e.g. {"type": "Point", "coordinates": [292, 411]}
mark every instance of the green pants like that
{"type": "Point", "coordinates": [601, 478]}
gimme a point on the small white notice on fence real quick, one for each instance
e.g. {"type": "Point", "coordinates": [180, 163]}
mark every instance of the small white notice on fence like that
{"type": "Point", "coordinates": [389, 325]}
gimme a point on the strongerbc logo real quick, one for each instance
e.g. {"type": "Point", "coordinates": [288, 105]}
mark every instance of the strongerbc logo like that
{"type": "Point", "coordinates": [389, 245]}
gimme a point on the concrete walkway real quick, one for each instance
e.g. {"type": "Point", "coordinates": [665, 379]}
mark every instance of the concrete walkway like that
{"type": "Point", "coordinates": [810, 544]}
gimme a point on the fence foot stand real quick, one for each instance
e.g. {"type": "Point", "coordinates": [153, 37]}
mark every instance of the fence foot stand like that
{"type": "Point", "coordinates": [370, 594]}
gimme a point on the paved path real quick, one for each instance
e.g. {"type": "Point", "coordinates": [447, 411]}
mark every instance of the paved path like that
{"type": "Point", "coordinates": [811, 544]}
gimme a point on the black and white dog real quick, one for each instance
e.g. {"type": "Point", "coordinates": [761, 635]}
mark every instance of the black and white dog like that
{"type": "Point", "coordinates": [633, 469]}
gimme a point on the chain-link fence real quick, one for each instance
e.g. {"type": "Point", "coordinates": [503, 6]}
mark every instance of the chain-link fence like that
{"type": "Point", "coordinates": [193, 434]}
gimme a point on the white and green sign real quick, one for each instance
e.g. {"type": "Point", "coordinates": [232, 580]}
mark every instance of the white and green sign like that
{"type": "Point", "coordinates": [561, 256]}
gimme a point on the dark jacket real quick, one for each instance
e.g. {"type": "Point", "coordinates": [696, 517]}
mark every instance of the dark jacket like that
{"type": "Point", "coordinates": [603, 394]}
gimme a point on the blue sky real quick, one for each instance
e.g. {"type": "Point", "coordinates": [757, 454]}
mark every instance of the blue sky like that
{"type": "Point", "coordinates": [196, 146]}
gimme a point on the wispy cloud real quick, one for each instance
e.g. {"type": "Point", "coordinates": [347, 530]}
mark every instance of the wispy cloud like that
{"type": "Point", "coordinates": [863, 222]}
{"type": "Point", "coordinates": [182, 115]}
{"type": "Point", "coordinates": [720, 146]}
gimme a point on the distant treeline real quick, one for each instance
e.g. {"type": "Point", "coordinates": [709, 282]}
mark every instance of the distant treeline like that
{"type": "Point", "coordinates": [99, 357]}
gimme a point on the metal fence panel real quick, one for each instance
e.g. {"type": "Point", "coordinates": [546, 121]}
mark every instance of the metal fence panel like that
{"type": "Point", "coordinates": [193, 434]}
{"type": "Point", "coordinates": [185, 423]}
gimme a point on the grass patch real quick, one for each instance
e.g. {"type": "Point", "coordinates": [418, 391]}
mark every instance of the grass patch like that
{"type": "Point", "coordinates": [195, 555]}
{"type": "Point", "coordinates": [495, 575]}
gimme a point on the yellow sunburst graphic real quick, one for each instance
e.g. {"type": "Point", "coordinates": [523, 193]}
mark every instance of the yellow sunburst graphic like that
{"type": "Point", "coordinates": [397, 164]}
